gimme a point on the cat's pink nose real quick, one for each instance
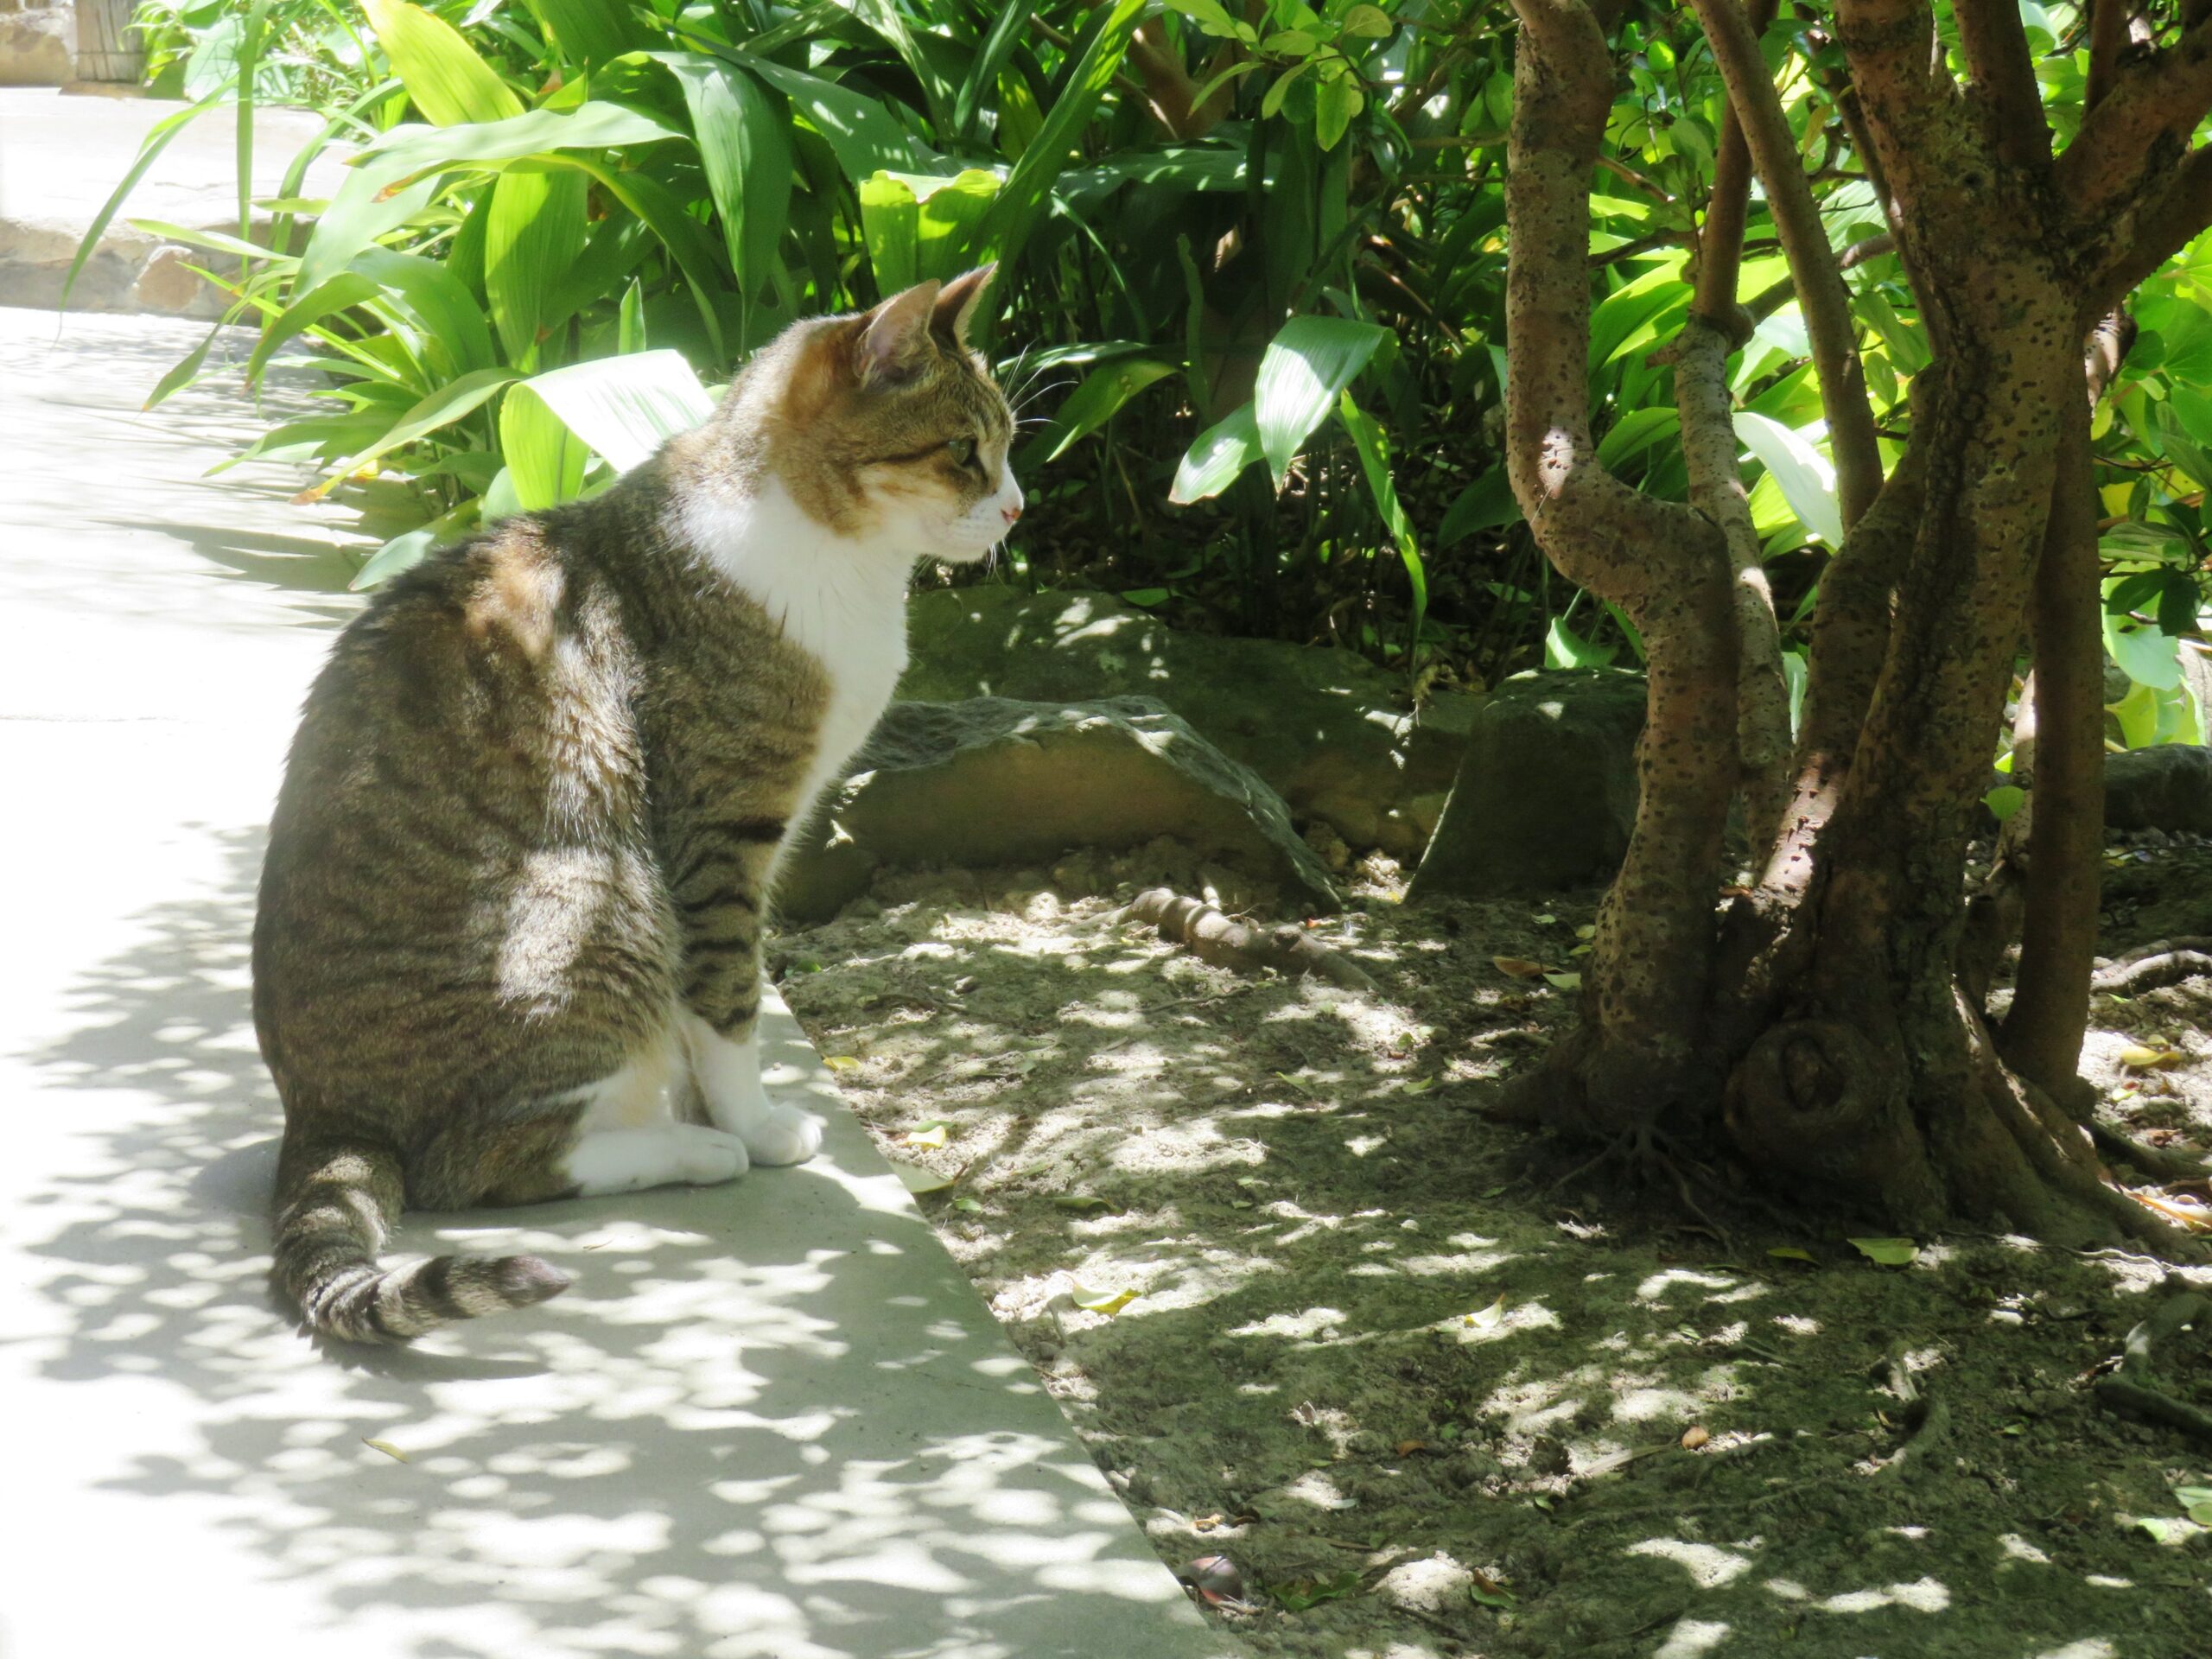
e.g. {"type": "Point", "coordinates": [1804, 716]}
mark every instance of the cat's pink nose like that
{"type": "Point", "coordinates": [1010, 513]}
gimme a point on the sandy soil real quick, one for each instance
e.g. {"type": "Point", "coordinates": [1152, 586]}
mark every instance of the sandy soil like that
{"type": "Point", "coordinates": [1432, 1392]}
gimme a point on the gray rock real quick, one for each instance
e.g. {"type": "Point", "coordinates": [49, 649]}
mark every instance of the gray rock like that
{"type": "Point", "coordinates": [991, 780]}
{"type": "Point", "coordinates": [1325, 728]}
{"type": "Point", "coordinates": [2169, 788]}
{"type": "Point", "coordinates": [1545, 794]}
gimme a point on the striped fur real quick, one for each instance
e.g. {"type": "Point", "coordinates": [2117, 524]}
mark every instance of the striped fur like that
{"type": "Point", "coordinates": [509, 935]}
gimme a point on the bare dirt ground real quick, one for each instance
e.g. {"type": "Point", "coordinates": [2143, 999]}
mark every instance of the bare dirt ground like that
{"type": "Point", "coordinates": [1435, 1393]}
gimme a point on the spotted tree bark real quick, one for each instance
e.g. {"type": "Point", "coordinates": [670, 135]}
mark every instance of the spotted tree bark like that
{"type": "Point", "coordinates": [1819, 1020]}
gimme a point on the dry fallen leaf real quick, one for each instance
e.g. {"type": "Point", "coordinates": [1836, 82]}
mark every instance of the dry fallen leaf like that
{"type": "Point", "coordinates": [1410, 1448]}
{"type": "Point", "coordinates": [387, 1448]}
{"type": "Point", "coordinates": [841, 1062]}
{"type": "Point", "coordinates": [1109, 1302]}
{"type": "Point", "coordinates": [1695, 1436]}
{"type": "Point", "coordinates": [1517, 966]}
{"type": "Point", "coordinates": [1563, 981]}
{"type": "Point", "coordinates": [1791, 1252]}
{"type": "Point", "coordinates": [929, 1135]}
{"type": "Point", "coordinates": [1485, 1318]}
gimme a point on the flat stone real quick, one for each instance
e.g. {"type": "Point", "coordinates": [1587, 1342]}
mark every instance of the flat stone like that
{"type": "Point", "coordinates": [1545, 794]}
{"type": "Point", "coordinates": [772, 1420]}
{"type": "Point", "coordinates": [62, 155]}
{"type": "Point", "coordinates": [2168, 787]}
{"type": "Point", "coordinates": [993, 780]}
{"type": "Point", "coordinates": [1327, 728]}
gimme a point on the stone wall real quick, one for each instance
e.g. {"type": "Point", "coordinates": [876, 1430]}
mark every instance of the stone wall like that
{"type": "Point", "coordinates": [38, 42]}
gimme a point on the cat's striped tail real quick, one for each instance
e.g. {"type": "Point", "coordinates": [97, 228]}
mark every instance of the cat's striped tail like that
{"type": "Point", "coordinates": [336, 1200]}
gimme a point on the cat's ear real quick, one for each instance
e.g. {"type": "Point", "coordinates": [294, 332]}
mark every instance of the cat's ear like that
{"type": "Point", "coordinates": [956, 303]}
{"type": "Point", "coordinates": [893, 339]}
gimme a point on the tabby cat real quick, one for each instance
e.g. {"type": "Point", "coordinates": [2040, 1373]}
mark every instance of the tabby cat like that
{"type": "Point", "coordinates": [508, 936]}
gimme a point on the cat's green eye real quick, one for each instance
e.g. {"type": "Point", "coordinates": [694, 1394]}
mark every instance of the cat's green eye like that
{"type": "Point", "coordinates": [961, 450]}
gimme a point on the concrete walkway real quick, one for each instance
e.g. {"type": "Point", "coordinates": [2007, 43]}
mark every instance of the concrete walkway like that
{"type": "Point", "coordinates": [62, 154]}
{"type": "Point", "coordinates": [772, 1421]}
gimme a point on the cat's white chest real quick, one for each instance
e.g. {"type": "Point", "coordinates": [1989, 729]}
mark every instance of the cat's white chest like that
{"type": "Point", "coordinates": [843, 604]}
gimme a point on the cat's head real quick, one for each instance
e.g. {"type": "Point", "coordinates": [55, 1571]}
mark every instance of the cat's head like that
{"type": "Point", "coordinates": [890, 429]}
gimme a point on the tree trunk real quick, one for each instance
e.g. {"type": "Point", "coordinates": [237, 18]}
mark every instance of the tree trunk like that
{"type": "Point", "coordinates": [108, 49]}
{"type": "Point", "coordinates": [1825, 1018]}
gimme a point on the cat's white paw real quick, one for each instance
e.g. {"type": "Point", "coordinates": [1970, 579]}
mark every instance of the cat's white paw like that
{"type": "Point", "coordinates": [708, 1157]}
{"type": "Point", "coordinates": [782, 1135]}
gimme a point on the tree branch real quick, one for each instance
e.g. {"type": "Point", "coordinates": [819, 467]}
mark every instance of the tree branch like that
{"type": "Point", "coordinates": [1821, 296]}
{"type": "Point", "coordinates": [2107, 40]}
{"type": "Point", "coordinates": [2145, 118]}
{"type": "Point", "coordinates": [1663, 563]}
{"type": "Point", "coordinates": [1720, 245]}
{"type": "Point", "coordinates": [2173, 219]}
{"type": "Point", "coordinates": [2002, 76]}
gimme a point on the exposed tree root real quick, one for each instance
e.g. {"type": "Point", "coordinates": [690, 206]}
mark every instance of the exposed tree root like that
{"type": "Point", "coordinates": [2132, 1389]}
{"type": "Point", "coordinates": [1213, 937]}
{"type": "Point", "coordinates": [2169, 1167]}
{"type": "Point", "coordinates": [1926, 1422]}
{"type": "Point", "coordinates": [2161, 962]}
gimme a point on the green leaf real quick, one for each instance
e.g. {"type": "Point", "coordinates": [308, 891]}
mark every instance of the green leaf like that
{"type": "Point", "coordinates": [402, 552]}
{"type": "Point", "coordinates": [1306, 365]}
{"type": "Point", "coordinates": [407, 152]}
{"type": "Point", "coordinates": [443, 76]}
{"type": "Point", "coordinates": [626, 407]}
{"type": "Point", "coordinates": [1015, 213]}
{"type": "Point", "coordinates": [744, 141]}
{"type": "Point", "coordinates": [595, 32]}
{"type": "Point", "coordinates": [1635, 432]}
{"type": "Point", "coordinates": [545, 459]}
{"type": "Point", "coordinates": [1212, 463]}
{"type": "Point", "coordinates": [860, 131]}
{"type": "Point", "coordinates": [1367, 437]}
{"type": "Point", "coordinates": [1890, 1252]}
{"type": "Point", "coordinates": [184, 374]}
{"type": "Point", "coordinates": [1486, 503]}
{"type": "Point", "coordinates": [1211, 18]}
{"type": "Point", "coordinates": [534, 232]}
{"type": "Point", "coordinates": [2148, 654]}
{"type": "Point", "coordinates": [2004, 800]}
{"type": "Point", "coordinates": [1007, 28]}
{"type": "Point", "coordinates": [1279, 89]}
{"type": "Point", "coordinates": [1368, 23]}
{"type": "Point", "coordinates": [442, 408]}
{"type": "Point", "coordinates": [1564, 648]}
{"type": "Point", "coordinates": [1097, 400]}
{"type": "Point", "coordinates": [1289, 43]}
{"type": "Point", "coordinates": [1335, 102]}
{"type": "Point", "coordinates": [1101, 1301]}
{"type": "Point", "coordinates": [891, 226]}
{"type": "Point", "coordinates": [1807, 480]}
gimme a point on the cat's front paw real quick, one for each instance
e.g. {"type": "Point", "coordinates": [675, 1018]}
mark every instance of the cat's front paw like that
{"type": "Point", "coordinates": [782, 1135]}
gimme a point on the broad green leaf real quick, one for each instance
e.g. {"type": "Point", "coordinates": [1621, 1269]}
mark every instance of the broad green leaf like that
{"type": "Point", "coordinates": [884, 17]}
{"type": "Point", "coordinates": [2148, 654]}
{"type": "Point", "coordinates": [443, 76]}
{"type": "Point", "coordinates": [595, 32]}
{"type": "Point", "coordinates": [1210, 15]}
{"type": "Point", "coordinates": [1306, 365]}
{"type": "Point", "coordinates": [1014, 215]}
{"type": "Point", "coordinates": [626, 407]}
{"type": "Point", "coordinates": [403, 552]}
{"type": "Point", "coordinates": [745, 142]}
{"type": "Point", "coordinates": [860, 131]}
{"type": "Point", "coordinates": [1486, 503]}
{"type": "Point", "coordinates": [1805, 479]}
{"type": "Point", "coordinates": [1096, 400]}
{"type": "Point", "coordinates": [683, 237]}
{"type": "Point", "coordinates": [1221, 452]}
{"type": "Point", "coordinates": [891, 221]}
{"type": "Point", "coordinates": [184, 374]}
{"type": "Point", "coordinates": [442, 408]}
{"type": "Point", "coordinates": [952, 211]}
{"type": "Point", "coordinates": [421, 295]}
{"type": "Point", "coordinates": [917, 1180]}
{"type": "Point", "coordinates": [2004, 800]}
{"type": "Point", "coordinates": [1335, 102]}
{"type": "Point", "coordinates": [340, 292]}
{"type": "Point", "coordinates": [1368, 23]}
{"type": "Point", "coordinates": [534, 234]}
{"type": "Point", "coordinates": [407, 152]}
{"type": "Point", "coordinates": [1635, 432]}
{"type": "Point", "coordinates": [544, 459]}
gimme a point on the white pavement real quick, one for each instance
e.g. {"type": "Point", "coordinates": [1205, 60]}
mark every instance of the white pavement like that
{"type": "Point", "coordinates": [62, 154]}
{"type": "Point", "coordinates": [772, 1421]}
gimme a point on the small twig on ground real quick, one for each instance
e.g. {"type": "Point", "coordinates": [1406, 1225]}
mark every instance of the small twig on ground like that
{"type": "Point", "coordinates": [2161, 962]}
{"type": "Point", "coordinates": [2130, 1388]}
{"type": "Point", "coordinates": [1214, 937]}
